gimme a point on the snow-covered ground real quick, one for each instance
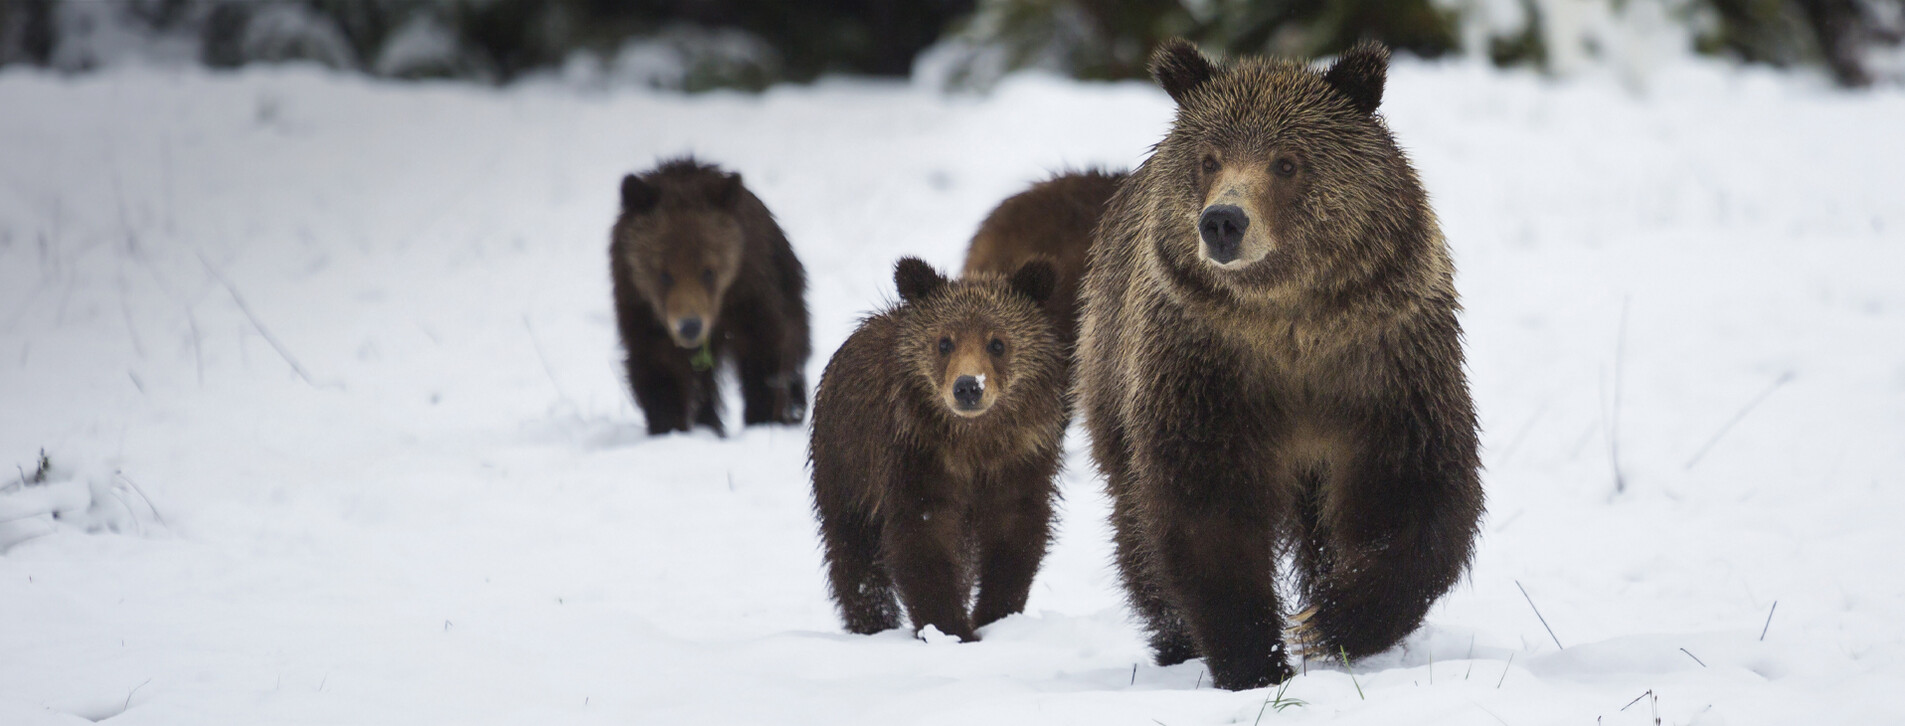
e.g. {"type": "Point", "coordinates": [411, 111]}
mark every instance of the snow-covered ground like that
{"type": "Point", "coordinates": [325, 372]}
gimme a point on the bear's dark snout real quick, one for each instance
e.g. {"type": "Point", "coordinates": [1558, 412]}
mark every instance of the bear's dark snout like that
{"type": "Point", "coordinates": [1222, 227]}
{"type": "Point", "coordinates": [689, 329]}
{"type": "Point", "coordinates": [967, 391]}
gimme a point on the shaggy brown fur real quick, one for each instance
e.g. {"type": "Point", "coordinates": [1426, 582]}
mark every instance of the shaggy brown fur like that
{"type": "Point", "coordinates": [1271, 367]}
{"type": "Point", "coordinates": [703, 275]}
{"type": "Point", "coordinates": [937, 432]}
{"type": "Point", "coordinates": [1052, 220]}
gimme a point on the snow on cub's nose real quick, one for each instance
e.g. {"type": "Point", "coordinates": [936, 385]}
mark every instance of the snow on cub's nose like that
{"type": "Point", "coordinates": [968, 385]}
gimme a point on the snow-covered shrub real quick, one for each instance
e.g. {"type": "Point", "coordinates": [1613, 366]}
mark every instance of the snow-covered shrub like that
{"type": "Point", "coordinates": [1087, 39]}
{"type": "Point", "coordinates": [1113, 40]}
{"type": "Point", "coordinates": [287, 32]}
{"type": "Point", "coordinates": [966, 43]}
{"type": "Point", "coordinates": [26, 31]}
{"type": "Point", "coordinates": [691, 58]}
{"type": "Point", "coordinates": [94, 499]}
{"type": "Point", "coordinates": [423, 47]}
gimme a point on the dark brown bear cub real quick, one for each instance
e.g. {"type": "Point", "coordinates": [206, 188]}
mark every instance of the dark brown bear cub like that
{"type": "Point", "coordinates": [1270, 367]}
{"type": "Point", "coordinates": [702, 275]}
{"type": "Point", "coordinates": [1053, 220]}
{"type": "Point", "coordinates": [937, 432]}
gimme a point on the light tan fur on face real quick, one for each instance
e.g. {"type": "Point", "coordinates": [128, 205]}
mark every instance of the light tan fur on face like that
{"type": "Point", "coordinates": [969, 358]}
{"type": "Point", "coordinates": [690, 299]}
{"type": "Point", "coordinates": [973, 312]}
{"type": "Point", "coordinates": [1246, 186]}
{"type": "Point", "coordinates": [696, 249]}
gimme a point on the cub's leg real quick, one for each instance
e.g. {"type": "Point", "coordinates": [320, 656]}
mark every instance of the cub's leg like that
{"type": "Point", "coordinates": [860, 584]}
{"type": "Point", "coordinates": [772, 388]}
{"type": "Point", "coordinates": [794, 383]}
{"type": "Point", "coordinates": [766, 394]}
{"type": "Point", "coordinates": [707, 396]}
{"type": "Point", "coordinates": [924, 546]}
{"type": "Point", "coordinates": [663, 384]}
{"type": "Point", "coordinates": [1015, 528]}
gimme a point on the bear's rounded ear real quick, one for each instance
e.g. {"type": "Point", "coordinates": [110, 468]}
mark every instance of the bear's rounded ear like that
{"type": "Point", "coordinates": [1180, 68]}
{"type": "Point", "coordinates": [728, 190]}
{"type": "Point", "coordinates": [1359, 74]}
{"type": "Point", "coordinates": [638, 196]}
{"type": "Point", "coordinates": [1035, 279]}
{"type": "Point", "coordinates": [916, 279]}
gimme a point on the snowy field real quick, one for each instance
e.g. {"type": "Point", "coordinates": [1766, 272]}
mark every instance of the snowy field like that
{"type": "Point", "coordinates": [325, 370]}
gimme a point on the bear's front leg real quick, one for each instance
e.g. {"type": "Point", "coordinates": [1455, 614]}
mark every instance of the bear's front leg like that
{"type": "Point", "coordinates": [1207, 516]}
{"type": "Point", "coordinates": [924, 543]}
{"type": "Point", "coordinates": [793, 386]}
{"type": "Point", "coordinates": [707, 396]}
{"type": "Point", "coordinates": [1391, 534]}
{"type": "Point", "coordinates": [860, 583]}
{"type": "Point", "coordinates": [1169, 636]}
{"type": "Point", "coordinates": [1015, 528]}
{"type": "Point", "coordinates": [772, 389]}
{"type": "Point", "coordinates": [769, 392]}
{"type": "Point", "coordinates": [1217, 567]}
{"type": "Point", "coordinates": [663, 384]}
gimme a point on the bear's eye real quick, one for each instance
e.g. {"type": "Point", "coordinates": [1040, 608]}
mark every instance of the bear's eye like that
{"type": "Point", "coordinates": [1210, 164]}
{"type": "Point", "coordinates": [707, 277]}
{"type": "Point", "coordinates": [667, 281]}
{"type": "Point", "coordinates": [945, 346]}
{"type": "Point", "coordinates": [1285, 167]}
{"type": "Point", "coordinates": [996, 347]}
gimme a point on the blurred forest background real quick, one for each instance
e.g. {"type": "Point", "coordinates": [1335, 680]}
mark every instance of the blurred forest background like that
{"type": "Point", "coordinates": [701, 44]}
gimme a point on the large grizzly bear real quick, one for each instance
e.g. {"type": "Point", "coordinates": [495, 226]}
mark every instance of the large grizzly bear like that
{"type": "Point", "coordinates": [1270, 366]}
{"type": "Point", "coordinates": [937, 432]}
{"type": "Point", "coordinates": [1053, 220]}
{"type": "Point", "coordinates": [702, 275]}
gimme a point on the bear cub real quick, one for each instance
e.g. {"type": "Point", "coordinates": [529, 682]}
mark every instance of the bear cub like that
{"type": "Point", "coordinates": [1054, 220]}
{"type": "Point", "coordinates": [936, 437]}
{"type": "Point", "coordinates": [701, 276]}
{"type": "Point", "coordinates": [1270, 367]}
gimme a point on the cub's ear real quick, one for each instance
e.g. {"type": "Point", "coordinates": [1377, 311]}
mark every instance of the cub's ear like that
{"type": "Point", "coordinates": [1180, 68]}
{"type": "Point", "coordinates": [1359, 74]}
{"type": "Point", "coordinates": [638, 196]}
{"type": "Point", "coordinates": [727, 191]}
{"type": "Point", "coordinates": [1035, 279]}
{"type": "Point", "coordinates": [916, 279]}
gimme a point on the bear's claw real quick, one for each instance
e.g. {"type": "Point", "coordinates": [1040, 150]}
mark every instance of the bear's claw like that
{"type": "Point", "coordinates": [1303, 639]}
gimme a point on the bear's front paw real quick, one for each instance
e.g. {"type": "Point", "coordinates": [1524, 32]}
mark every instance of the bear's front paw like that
{"type": "Point", "coordinates": [792, 414]}
{"type": "Point", "coordinates": [1172, 648]}
{"type": "Point", "coordinates": [793, 404]}
{"type": "Point", "coordinates": [1247, 675]}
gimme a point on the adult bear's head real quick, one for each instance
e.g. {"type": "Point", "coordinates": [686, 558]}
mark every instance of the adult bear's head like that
{"type": "Point", "coordinates": [1278, 177]}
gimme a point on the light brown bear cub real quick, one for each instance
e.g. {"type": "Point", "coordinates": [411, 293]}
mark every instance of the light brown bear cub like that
{"type": "Point", "coordinates": [937, 429]}
{"type": "Point", "coordinates": [702, 275]}
{"type": "Point", "coordinates": [1270, 367]}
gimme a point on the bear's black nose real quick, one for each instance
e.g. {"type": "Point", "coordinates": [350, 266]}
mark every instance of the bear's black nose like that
{"type": "Point", "coordinates": [1222, 228]}
{"type": "Point", "coordinates": [967, 391]}
{"type": "Point", "coordinates": [688, 328]}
